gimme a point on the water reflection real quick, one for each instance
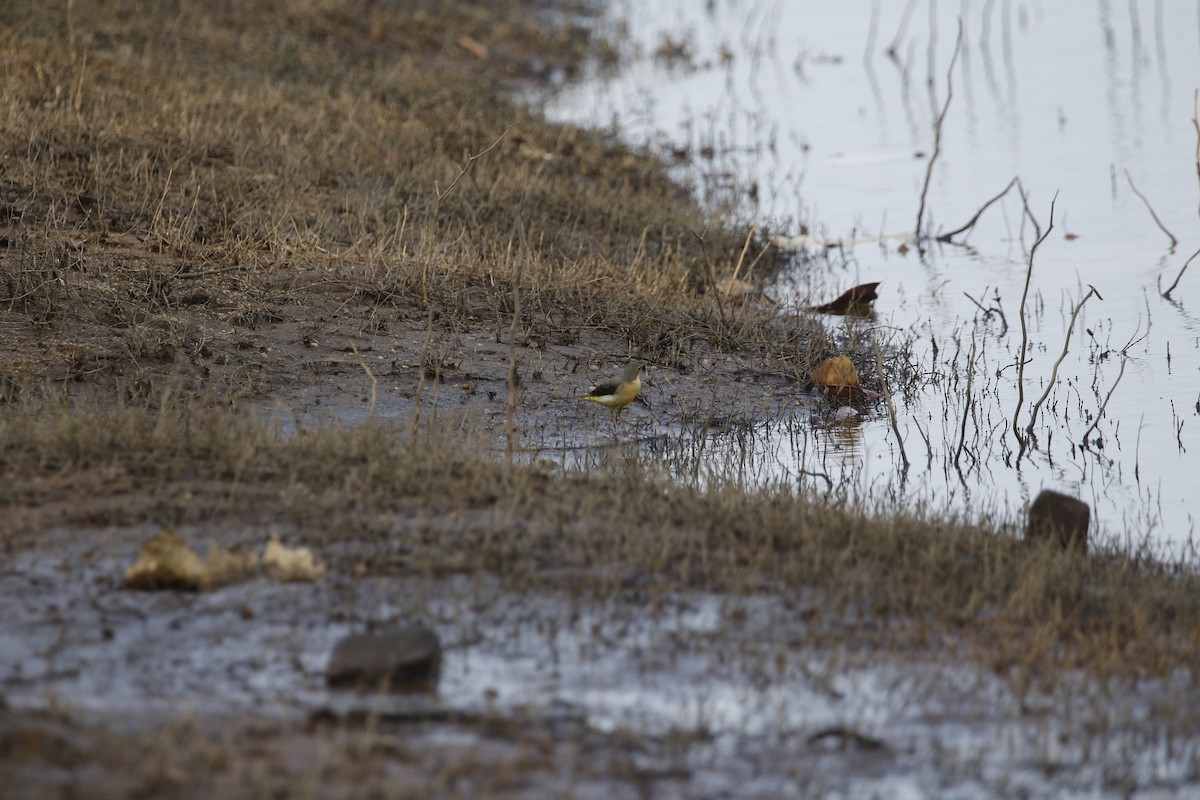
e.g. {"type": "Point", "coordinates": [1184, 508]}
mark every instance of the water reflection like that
{"type": "Point", "coordinates": [837, 148]}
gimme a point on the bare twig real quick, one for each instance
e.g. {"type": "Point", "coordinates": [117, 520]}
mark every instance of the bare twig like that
{"type": "Point", "coordinates": [1104, 405]}
{"type": "Point", "coordinates": [1196, 125]}
{"type": "Point", "coordinates": [962, 436]}
{"type": "Point", "coordinates": [745, 248]}
{"type": "Point", "coordinates": [1174, 283]}
{"type": "Point", "coordinates": [1016, 181]}
{"type": "Point", "coordinates": [742, 257]}
{"type": "Point", "coordinates": [374, 383]}
{"type": "Point", "coordinates": [208, 273]}
{"type": "Point", "coordinates": [946, 237]}
{"type": "Point", "coordinates": [1025, 328]}
{"type": "Point", "coordinates": [887, 398]}
{"type": "Point", "coordinates": [712, 274]}
{"type": "Point", "coordinates": [1150, 208]}
{"type": "Point", "coordinates": [471, 162]}
{"type": "Point", "coordinates": [1037, 229]}
{"type": "Point", "coordinates": [1062, 357]}
{"type": "Point", "coordinates": [510, 410]}
{"type": "Point", "coordinates": [937, 130]}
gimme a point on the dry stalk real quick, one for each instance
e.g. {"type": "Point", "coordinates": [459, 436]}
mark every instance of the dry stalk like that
{"type": "Point", "coordinates": [737, 268]}
{"type": "Point", "coordinates": [1062, 357]}
{"type": "Point", "coordinates": [1196, 125]}
{"type": "Point", "coordinates": [1150, 208]}
{"type": "Point", "coordinates": [471, 162]}
{"type": "Point", "coordinates": [946, 237]}
{"type": "Point", "coordinates": [1037, 229]}
{"type": "Point", "coordinates": [374, 383]}
{"type": "Point", "coordinates": [77, 100]}
{"type": "Point", "coordinates": [418, 396]}
{"type": "Point", "coordinates": [712, 276]}
{"type": "Point", "coordinates": [962, 436]}
{"type": "Point", "coordinates": [1171, 288]}
{"type": "Point", "coordinates": [887, 398]}
{"type": "Point", "coordinates": [1025, 327]}
{"type": "Point", "coordinates": [510, 410]}
{"type": "Point", "coordinates": [1016, 181]}
{"type": "Point", "coordinates": [1104, 405]}
{"type": "Point", "coordinates": [937, 130]}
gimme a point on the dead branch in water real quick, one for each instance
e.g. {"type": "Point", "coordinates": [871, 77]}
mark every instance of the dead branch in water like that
{"type": "Point", "coordinates": [1016, 181]}
{"type": "Point", "coordinates": [1150, 208]}
{"type": "Point", "coordinates": [937, 129]}
{"type": "Point", "coordinates": [1037, 229]}
{"type": "Point", "coordinates": [1174, 283]}
{"type": "Point", "coordinates": [1104, 405]}
{"type": "Point", "coordinates": [1025, 329]}
{"type": "Point", "coordinates": [962, 437]}
{"type": "Point", "coordinates": [1062, 357]}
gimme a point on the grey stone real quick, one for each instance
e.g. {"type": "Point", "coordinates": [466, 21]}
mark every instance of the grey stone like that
{"type": "Point", "coordinates": [1059, 518]}
{"type": "Point", "coordinates": [403, 660]}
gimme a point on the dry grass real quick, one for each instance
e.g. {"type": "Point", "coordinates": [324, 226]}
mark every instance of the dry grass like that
{"type": "Point", "coordinates": [188, 184]}
{"type": "Point", "coordinates": [57, 755]}
{"type": "Point", "coordinates": [180, 180]}
{"type": "Point", "coordinates": [382, 502]}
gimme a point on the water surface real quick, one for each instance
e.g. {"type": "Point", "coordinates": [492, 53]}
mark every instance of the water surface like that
{"type": "Point", "coordinates": [818, 121]}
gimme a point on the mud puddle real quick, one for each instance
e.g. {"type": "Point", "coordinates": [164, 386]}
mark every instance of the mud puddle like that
{"type": "Point", "coordinates": [706, 693]}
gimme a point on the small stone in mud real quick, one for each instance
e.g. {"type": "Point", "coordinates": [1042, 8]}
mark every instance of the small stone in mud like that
{"type": "Point", "coordinates": [403, 660]}
{"type": "Point", "coordinates": [1059, 518]}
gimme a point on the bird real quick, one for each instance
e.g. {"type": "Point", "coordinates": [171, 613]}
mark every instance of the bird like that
{"type": "Point", "coordinates": [615, 395]}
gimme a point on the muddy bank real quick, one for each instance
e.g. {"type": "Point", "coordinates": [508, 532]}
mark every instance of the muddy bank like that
{"type": "Point", "coordinates": [112, 692]}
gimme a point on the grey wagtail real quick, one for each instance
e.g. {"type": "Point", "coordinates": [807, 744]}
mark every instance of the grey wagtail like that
{"type": "Point", "coordinates": [619, 393]}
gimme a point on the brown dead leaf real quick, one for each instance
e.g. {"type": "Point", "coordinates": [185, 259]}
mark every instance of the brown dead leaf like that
{"type": "Point", "coordinates": [167, 563]}
{"type": "Point", "coordinates": [837, 378]}
{"type": "Point", "coordinates": [852, 301]}
{"type": "Point", "coordinates": [290, 563]}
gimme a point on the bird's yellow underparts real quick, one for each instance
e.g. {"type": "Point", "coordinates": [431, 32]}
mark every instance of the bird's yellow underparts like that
{"type": "Point", "coordinates": [615, 395]}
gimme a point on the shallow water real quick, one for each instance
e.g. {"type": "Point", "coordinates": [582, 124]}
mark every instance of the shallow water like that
{"type": "Point", "coordinates": [794, 113]}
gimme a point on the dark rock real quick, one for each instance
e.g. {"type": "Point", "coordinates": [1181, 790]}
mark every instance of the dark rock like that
{"type": "Point", "coordinates": [403, 660]}
{"type": "Point", "coordinates": [1059, 518]}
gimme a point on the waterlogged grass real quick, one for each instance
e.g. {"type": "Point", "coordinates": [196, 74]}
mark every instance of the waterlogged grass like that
{"type": "Point", "coordinates": [386, 500]}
